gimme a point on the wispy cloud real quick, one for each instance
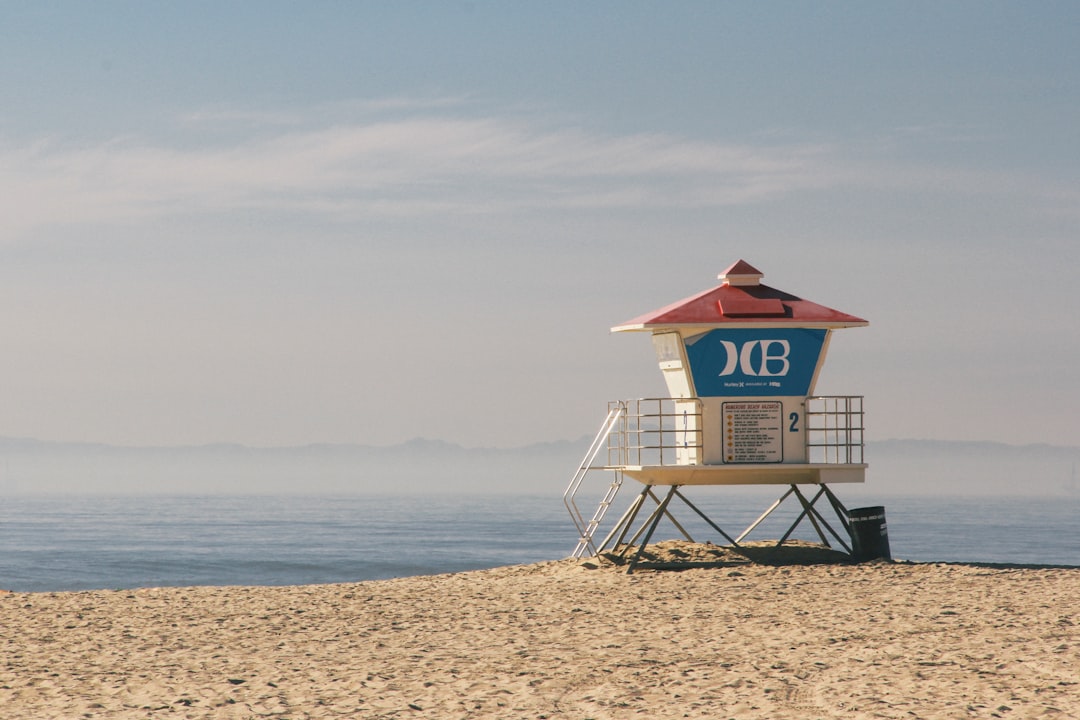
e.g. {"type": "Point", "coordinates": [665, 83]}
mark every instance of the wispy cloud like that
{"type": "Point", "coordinates": [421, 163]}
{"type": "Point", "coordinates": [416, 164]}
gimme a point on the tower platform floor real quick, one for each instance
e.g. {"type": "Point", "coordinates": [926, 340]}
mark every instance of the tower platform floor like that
{"type": "Point", "coordinates": [746, 474]}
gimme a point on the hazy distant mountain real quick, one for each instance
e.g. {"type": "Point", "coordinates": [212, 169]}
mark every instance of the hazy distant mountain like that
{"type": "Point", "coordinates": [972, 468]}
{"type": "Point", "coordinates": [417, 466]}
{"type": "Point", "coordinates": [434, 466]}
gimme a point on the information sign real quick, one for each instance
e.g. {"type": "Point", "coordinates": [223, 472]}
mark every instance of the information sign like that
{"type": "Point", "coordinates": [753, 432]}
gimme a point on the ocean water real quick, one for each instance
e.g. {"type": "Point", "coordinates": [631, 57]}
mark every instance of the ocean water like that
{"type": "Point", "coordinates": [51, 543]}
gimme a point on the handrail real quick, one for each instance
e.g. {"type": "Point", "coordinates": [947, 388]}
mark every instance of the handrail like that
{"type": "Point", "coordinates": [586, 529]}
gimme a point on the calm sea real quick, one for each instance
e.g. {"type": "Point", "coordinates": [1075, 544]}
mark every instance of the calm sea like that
{"type": "Point", "coordinates": [50, 543]}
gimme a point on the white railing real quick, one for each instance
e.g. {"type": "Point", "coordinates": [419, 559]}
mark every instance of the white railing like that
{"type": "Point", "coordinates": [834, 429]}
{"type": "Point", "coordinates": [656, 431]}
{"type": "Point", "coordinates": [668, 431]}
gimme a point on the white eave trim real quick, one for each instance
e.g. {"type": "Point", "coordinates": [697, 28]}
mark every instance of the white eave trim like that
{"type": "Point", "coordinates": [701, 327]}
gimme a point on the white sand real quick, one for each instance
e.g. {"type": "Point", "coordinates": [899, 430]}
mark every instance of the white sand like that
{"type": "Point", "coordinates": [560, 640]}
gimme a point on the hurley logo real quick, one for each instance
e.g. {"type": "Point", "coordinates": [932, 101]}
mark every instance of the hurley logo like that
{"type": "Point", "coordinates": [757, 358]}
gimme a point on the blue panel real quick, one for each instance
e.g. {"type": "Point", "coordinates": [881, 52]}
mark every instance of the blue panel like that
{"type": "Point", "coordinates": [754, 362]}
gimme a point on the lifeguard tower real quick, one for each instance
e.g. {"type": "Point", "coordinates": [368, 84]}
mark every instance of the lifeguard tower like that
{"type": "Point", "coordinates": [740, 361]}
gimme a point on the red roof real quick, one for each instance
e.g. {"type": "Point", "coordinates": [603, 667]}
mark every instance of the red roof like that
{"type": "Point", "coordinates": [742, 302]}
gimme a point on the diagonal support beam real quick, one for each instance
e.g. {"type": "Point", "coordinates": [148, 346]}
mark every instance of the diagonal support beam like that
{"type": "Point", "coordinates": [660, 511]}
{"type": "Point", "coordinates": [764, 515]}
{"type": "Point", "coordinates": [626, 521]}
{"type": "Point", "coordinates": [706, 519]}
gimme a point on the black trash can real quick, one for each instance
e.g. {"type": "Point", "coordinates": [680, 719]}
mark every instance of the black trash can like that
{"type": "Point", "coordinates": [869, 534]}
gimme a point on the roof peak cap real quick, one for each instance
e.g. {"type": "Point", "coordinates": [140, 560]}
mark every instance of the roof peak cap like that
{"type": "Point", "coordinates": [741, 273]}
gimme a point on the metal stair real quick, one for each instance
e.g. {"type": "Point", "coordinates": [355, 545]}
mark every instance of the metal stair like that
{"type": "Point", "coordinates": [586, 529]}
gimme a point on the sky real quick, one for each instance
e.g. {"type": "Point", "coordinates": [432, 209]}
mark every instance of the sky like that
{"type": "Point", "coordinates": [277, 223]}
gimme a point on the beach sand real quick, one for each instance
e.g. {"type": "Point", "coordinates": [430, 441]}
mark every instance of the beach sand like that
{"type": "Point", "coordinates": [562, 639]}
